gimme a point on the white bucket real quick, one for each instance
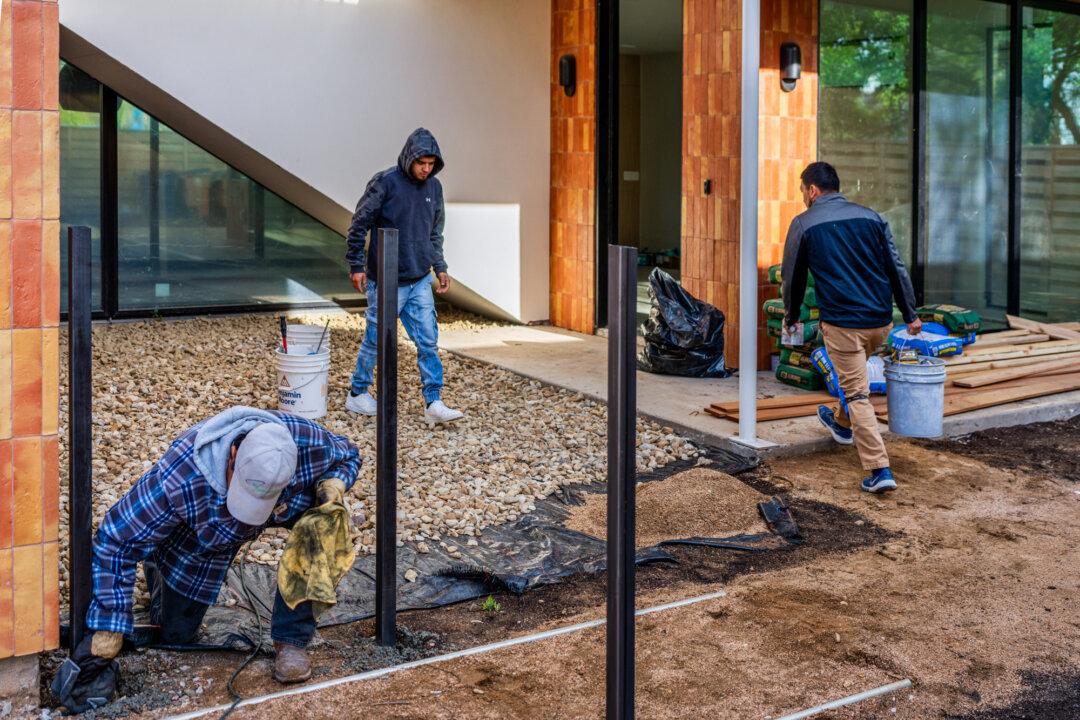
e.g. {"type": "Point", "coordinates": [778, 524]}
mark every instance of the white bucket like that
{"type": "Point", "coordinates": [302, 383]}
{"type": "Point", "coordinates": [307, 335]}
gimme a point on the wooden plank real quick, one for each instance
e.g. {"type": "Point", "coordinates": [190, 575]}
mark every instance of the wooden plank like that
{"type": "Point", "coordinates": [1054, 331]}
{"type": "Point", "coordinates": [1026, 338]}
{"type": "Point", "coordinates": [776, 402]}
{"type": "Point", "coordinates": [783, 413]}
{"type": "Point", "coordinates": [1001, 334]}
{"type": "Point", "coordinates": [968, 399]}
{"type": "Point", "coordinates": [956, 370]}
{"type": "Point", "coordinates": [991, 377]}
{"type": "Point", "coordinates": [989, 397]}
{"type": "Point", "coordinates": [795, 411]}
{"type": "Point", "coordinates": [1015, 351]}
{"type": "Point", "coordinates": [975, 350]}
{"type": "Point", "coordinates": [1070, 325]}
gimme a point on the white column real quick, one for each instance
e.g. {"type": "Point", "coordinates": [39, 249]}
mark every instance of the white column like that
{"type": "Point", "coordinates": [748, 226]}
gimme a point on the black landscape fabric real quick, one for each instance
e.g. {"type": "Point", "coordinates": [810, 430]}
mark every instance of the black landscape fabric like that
{"type": "Point", "coordinates": [537, 549]}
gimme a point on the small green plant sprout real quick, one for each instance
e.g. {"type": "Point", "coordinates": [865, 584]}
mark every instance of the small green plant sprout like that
{"type": "Point", "coordinates": [491, 605]}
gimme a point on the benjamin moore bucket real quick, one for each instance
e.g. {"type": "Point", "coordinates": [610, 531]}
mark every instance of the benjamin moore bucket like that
{"type": "Point", "coordinates": [307, 335]}
{"type": "Point", "coordinates": [302, 382]}
{"type": "Point", "coordinates": [916, 397]}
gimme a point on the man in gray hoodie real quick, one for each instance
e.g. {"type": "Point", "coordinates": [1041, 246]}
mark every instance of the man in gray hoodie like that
{"type": "Point", "coordinates": [408, 198]}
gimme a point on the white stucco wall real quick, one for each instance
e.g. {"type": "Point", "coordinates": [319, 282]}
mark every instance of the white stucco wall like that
{"type": "Point", "coordinates": [329, 89]}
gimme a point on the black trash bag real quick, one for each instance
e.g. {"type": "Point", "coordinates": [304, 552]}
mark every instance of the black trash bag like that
{"type": "Point", "coordinates": [683, 335]}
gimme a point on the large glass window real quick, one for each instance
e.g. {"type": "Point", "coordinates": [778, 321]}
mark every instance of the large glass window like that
{"type": "Point", "coordinates": [80, 168]}
{"type": "Point", "coordinates": [195, 232]}
{"type": "Point", "coordinates": [1050, 186]}
{"type": "Point", "coordinates": [967, 151]}
{"type": "Point", "coordinates": [864, 125]}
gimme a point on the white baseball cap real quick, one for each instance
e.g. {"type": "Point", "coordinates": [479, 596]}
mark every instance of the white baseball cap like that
{"type": "Point", "coordinates": [265, 463]}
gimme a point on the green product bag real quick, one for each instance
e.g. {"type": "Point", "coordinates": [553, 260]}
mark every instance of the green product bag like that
{"type": "Point", "coordinates": [775, 279]}
{"type": "Point", "coordinates": [775, 309]}
{"type": "Point", "coordinates": [799, 377]}
{"type": "Point", "coordinates": [796, 358]}
{"type": "Point", "coordinates": [957, 319]}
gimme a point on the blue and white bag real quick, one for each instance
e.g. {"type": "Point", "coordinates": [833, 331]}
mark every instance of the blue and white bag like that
{"type": "Point", "coordinates": [927, 342]}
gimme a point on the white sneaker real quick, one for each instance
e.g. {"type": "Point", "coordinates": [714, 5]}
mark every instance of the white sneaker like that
{"type": "Point", "coordinates": [362, 404]}
{"type": "Point", "coordinates": [437, 412]}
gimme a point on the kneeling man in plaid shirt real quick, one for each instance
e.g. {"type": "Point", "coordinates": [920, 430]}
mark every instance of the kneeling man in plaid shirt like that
{"type": "Point", "coordinates": [220, 484]}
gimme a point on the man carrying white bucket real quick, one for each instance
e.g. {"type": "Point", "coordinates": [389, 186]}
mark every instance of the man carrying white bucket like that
{"type": "Point", "coordinates": [217, 486]}
{"type": "Point", "coordinates": [857, 272]}
{"type": "Point", "coordinates": [407, 197]}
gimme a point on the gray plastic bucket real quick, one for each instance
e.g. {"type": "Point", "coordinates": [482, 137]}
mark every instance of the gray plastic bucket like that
{"type": "Point", "coordinates": [916, 397]}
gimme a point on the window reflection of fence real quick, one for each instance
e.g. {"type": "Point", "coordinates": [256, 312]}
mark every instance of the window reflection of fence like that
{"type": "Point", "coordinates": [1050, 237]}
{"type": "Point", "coordinates": [878, 175]}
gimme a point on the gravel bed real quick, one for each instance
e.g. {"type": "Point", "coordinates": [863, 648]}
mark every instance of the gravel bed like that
{"type": "Point", "coordinates": [519, 441]}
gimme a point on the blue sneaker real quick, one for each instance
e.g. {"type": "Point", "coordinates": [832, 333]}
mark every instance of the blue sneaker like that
{"type": "Point", "coordinates": [840, 433]}
{"type": "Point", "coordinates": [880, 480]}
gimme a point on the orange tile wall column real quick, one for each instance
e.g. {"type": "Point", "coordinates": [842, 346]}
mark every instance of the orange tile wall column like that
{"type": "Point", "coordinates": [711, 147]}
{"type": "Point", "coordinates": [573, 171]}
{"type": "Point", "coordinates": [29, 316]}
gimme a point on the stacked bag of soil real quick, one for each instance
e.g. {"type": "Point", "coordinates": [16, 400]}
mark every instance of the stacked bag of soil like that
{"type": "Point", "coordinates": [961, 322]}
{"type": "Point", "coordinates": [795, 366]}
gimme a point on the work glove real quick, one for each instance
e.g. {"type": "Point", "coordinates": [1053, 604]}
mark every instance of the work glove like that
{"type": "Point", "coordinates": [330, 490]}
{"type": "Point", "coordinates": [106, 644]}
{"type": "Point", "coordinates": [87, 680]}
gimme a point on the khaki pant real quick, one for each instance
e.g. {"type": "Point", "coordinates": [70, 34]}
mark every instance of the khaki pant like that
{"type": "Point", "coordinates": [849, 349]}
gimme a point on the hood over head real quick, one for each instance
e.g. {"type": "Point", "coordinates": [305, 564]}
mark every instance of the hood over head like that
{"type": "Point", "coordinates": [419, 144]}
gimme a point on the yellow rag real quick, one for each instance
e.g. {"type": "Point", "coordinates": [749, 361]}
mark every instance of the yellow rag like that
{"type": "Point", "coordinates": [317, 555]}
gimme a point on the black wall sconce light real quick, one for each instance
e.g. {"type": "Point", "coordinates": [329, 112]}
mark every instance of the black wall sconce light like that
{"type": "Point", "coordinates": [568, 74]}
{"type": "Point", "coordinates": [790, 66]}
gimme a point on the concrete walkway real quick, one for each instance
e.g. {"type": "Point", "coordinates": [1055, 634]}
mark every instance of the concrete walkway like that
{"type": "Point", "coordinates": [579, 362]}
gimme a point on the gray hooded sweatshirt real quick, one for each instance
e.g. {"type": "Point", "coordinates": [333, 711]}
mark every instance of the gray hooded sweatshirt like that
{"type": "Point", "coordinates": [395, 199]}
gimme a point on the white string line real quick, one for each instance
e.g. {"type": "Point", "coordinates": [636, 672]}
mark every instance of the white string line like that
{"type": "Point", "coordinates": [477, 650]}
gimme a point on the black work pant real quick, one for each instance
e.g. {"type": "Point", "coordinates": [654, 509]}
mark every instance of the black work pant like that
{"type": "Point", "coordinates": [179, 617]}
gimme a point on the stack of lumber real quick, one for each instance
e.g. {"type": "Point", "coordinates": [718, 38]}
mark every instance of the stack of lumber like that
{"type": "Point", "coordinates": [1030, 349]}
{"type": "Point", "coordinates": [1029, 360]}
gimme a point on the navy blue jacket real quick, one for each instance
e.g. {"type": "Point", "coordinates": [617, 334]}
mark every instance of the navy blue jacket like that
{"type": "Point", "coordinates": [395, 199]}
{"type": "Point", "coordinates": [857, 270]}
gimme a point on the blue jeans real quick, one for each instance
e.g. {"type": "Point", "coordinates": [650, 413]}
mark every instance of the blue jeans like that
{"type": "Point", "coordinates": [416, 308]}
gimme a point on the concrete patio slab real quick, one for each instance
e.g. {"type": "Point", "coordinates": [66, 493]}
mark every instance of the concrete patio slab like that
{"type": "Point", "coordinates": [579, 362]}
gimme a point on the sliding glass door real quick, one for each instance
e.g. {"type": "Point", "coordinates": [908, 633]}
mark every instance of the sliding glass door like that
{"type": "Point", "coordinates": [1050, 156]}
{"type": "Point", "coordinates": [967, 154]}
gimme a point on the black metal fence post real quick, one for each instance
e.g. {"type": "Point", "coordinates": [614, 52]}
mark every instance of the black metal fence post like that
{"type": "Point", "coordinates": [386, 443]}
{"type": "Point", "coordinates": [622, 475]}
{"type": "Point", "coordinates": [80, 436]}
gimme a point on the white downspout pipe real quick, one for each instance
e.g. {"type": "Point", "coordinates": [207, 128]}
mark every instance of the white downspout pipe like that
{"type": "Point", "coordinates": [748, 226]}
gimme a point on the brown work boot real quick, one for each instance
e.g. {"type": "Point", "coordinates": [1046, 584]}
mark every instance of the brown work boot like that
{"type": "Point", "coordinates": [290, 663]}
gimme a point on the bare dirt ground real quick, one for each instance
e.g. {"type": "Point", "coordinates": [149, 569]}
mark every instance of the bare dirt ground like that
{"type": "Point", "coordinates": [964, 581]}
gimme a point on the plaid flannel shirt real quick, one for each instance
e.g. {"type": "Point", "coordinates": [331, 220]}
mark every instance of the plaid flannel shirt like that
{"type": "Point", "coordinates": [173, 516]}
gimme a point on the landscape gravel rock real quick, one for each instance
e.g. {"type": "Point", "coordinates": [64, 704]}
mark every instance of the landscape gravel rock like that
{"type": "Point", "coordinates": [519, 442]}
